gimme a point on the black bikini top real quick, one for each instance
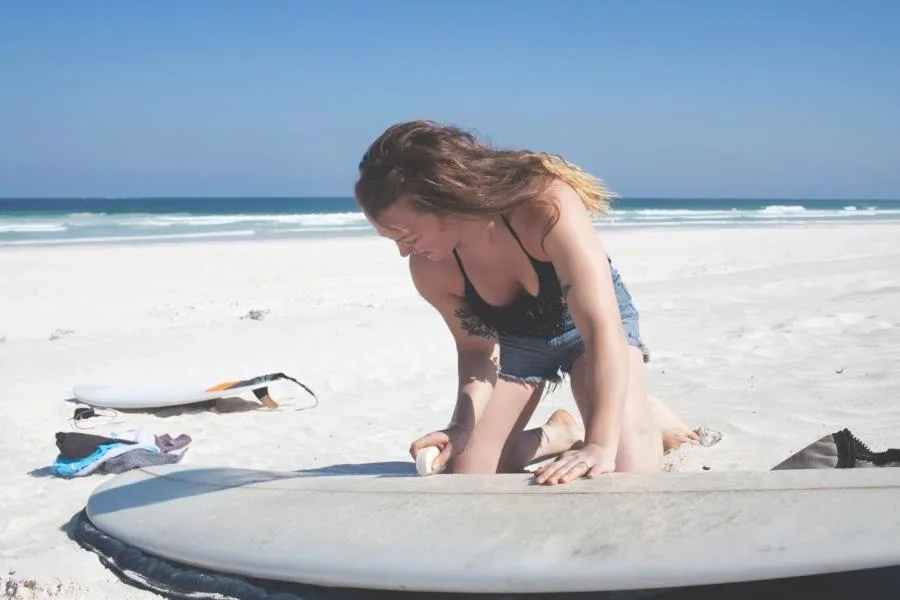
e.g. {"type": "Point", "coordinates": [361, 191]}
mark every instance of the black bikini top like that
{"type": "Point", "coordinates": [527, 315]}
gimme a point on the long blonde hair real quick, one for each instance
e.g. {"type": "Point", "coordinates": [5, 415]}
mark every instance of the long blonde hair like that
{"type": "Point", "coordinates": [444, 170]}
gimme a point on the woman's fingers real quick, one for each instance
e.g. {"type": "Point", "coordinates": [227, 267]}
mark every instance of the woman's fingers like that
{"type": "Point", "coordinates": [436, 438]}
{"type": "Point", "coordinates": [564, 470]}
{"type": "Point", "coordinates": [575, 470]}
{"type": "Point", "coordinates": [553, 471]}
{"type": "Point", "coordinates": [441, 461]}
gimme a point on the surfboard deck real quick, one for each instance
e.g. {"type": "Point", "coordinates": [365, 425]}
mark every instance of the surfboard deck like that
{"type": "Point", "coordinates": [502, 533]}
{"type": "Point", "coordinates": [161, 394]}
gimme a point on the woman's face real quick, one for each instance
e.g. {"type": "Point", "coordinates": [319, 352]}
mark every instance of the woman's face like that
{"type": "Point", "coordinates": [418, 233]}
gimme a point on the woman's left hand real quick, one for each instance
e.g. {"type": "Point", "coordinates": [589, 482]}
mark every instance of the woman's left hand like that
{"type": "Point", "coordinates": [590, 461]}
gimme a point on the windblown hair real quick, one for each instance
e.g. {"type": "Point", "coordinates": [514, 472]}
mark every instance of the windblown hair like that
{"type": "Point", "coordinates": [442, 170]}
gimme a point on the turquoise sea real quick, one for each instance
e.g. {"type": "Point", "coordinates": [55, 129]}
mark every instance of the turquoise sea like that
{"type": "Point", "coordinates": [25, 221]}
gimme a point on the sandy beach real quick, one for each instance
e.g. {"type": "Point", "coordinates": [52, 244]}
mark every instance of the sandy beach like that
{"type": "Point", "coordinates": [772, 336]}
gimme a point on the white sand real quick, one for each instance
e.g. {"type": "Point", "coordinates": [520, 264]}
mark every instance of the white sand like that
{"type": "Point", "coordinates": [772, 336]}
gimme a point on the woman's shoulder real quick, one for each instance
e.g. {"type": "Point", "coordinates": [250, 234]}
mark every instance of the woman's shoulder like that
{"type": "Point", "coordinates": [535, 220]}
{"type": "Point", "coordinates": [436, 278]}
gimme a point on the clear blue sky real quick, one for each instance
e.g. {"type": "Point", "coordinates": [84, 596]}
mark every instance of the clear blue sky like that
{"type": "Point", "coordinates": [769, 98]}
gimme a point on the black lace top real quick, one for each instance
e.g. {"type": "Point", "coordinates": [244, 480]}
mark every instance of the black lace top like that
{"type": "Point", "coordinates": [527, 316]}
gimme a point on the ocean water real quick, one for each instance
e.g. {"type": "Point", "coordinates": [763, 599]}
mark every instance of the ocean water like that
{"type": "Point", "coordinates": [27, 221]}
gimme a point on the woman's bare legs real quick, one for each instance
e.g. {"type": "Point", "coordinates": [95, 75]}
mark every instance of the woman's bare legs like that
{"type": "Point", "coordinates": [503, 419]}
{"type": "Point", "coordinates": [561, 432]}
{"type": "Point", "coordinates": [499, 443]}
{"type": "Point", "coordinates": [640, 442]}
{"type": "Point", "coordinates": [674, 431]}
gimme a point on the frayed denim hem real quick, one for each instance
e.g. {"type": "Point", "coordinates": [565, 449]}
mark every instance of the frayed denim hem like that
{"type": "Point", "coordinates": [550, 383]}
{"type": "Point", "coordinates": [637, 343]}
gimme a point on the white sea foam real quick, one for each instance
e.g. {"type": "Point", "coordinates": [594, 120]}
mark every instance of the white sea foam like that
{"type": "Point", "coordinates": [768, 215]}
{"type": "Point", "coordinates": [11, 226]}
{"type": "Point", "coordinates": [130, 238]}
{"type": "Point", "coordinates": [780, 209]}
{"type": "Point", "coordinates": [315, 219]}
{"type": "Point", "coordinates": [115, 227]}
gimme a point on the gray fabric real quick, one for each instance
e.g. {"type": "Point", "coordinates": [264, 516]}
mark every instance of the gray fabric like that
{"type": "Point", "coordinates": [839, 450]}
{"type": "Point", "coordinates": [821, 454]}
{"type": "Point", "coordinates": [137, 458]}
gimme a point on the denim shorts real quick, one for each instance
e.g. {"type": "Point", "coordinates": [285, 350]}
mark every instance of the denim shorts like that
{"type": "Point", "coordinates": [535, 360]}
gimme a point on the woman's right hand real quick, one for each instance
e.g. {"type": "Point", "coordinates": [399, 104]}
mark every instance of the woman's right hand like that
{"type": "Point", "coordinates": [449, 442]}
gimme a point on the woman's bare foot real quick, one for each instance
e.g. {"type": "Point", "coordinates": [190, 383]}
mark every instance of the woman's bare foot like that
{"type": "Point", "coordinates": [673, 439]}
{"type": "Point", "coordinates": [561, 432]}
{"type": "Point", "coordinates": [674, 431]}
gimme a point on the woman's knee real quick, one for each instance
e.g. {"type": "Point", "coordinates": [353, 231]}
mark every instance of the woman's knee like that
{"type": "Point", "coordinates": [640, 441]}
{"type": "Point", "coordinates": [476, 460]}
{"type": "Point", "coordinates": [502, 421]}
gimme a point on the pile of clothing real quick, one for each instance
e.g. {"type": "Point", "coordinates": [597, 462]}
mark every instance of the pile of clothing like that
{"type": "Point", "coordinates": [83, 453]}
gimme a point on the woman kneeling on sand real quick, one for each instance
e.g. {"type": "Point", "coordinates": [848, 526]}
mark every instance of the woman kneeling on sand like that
{"type": "Point", "coordinates": [501, 243]}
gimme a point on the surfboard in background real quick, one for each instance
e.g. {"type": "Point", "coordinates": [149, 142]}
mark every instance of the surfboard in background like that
{"type": "Point", "coordinates": [160, 394]}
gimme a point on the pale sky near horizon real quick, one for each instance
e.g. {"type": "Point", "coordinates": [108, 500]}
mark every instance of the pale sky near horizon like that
{"type": "Point", "coordinates": [765, 99]}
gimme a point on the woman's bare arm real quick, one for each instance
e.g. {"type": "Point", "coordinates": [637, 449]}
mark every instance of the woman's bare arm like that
{"type": "Point", "coordinates": [476, 344]}
{"type": "Point", "coordinates": [583, 269]}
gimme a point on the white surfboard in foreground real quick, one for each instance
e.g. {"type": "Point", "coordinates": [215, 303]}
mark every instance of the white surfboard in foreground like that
{"type": "Point", "coordinates": [501, 533]}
